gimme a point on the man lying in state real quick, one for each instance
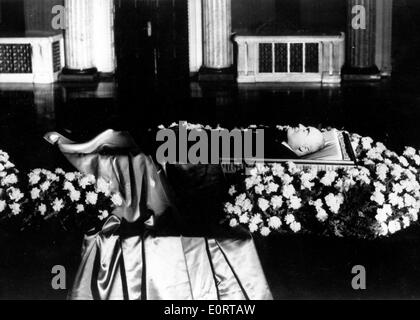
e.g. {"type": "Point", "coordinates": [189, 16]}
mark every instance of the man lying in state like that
{"type": "Point", "coordinates": [292, 142]}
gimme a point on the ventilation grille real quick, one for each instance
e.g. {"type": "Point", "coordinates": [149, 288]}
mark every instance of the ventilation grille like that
{"type": "Point", "coordinates": [287, 58]}
{"type": "Point", "coordinates": [15, 58]}
{"type": "Point", "coordinates": [56, 53]}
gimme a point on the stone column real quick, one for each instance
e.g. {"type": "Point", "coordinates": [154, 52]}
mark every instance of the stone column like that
{"type": "Point", "coordinates": [103, 36]}
{"type": "Point", "coordinates": [195, 35]}
{"type": "Point", "coordinates": [78, 41]}
{"type": "Point", "coordinates": [361, 41]}
{"type": "Point", "coordinates": [217, 44]}
{"type": "Point", "coordinates": [384, 36]}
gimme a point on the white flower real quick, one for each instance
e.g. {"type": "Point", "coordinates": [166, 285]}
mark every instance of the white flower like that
{"type": "Point", "coordinates": [58, 205]}
{"type": "Point", "coordinates": [252, 227]}
{"type": "Point", "coordinates": [104, 187]}
{"type": "Point", "coordinates": [91, 198]}
{"type": "Point", "coordinates": [329, 178]}
{"type": "Point", "coordinates": [379, 187]}
{"type": "Point", "coordinates": [15, 194]}
{"type": "Point", "coordinates": [403, 161]}
{"type": "Point", "coordinates": [34, 178]}
{"type": "Point", "coordinates": [277, 170]}
{"type": "Point", "coordinates": [263, 204]}
{"type": "Point", "coordinates": [394, 226]}
{"type": "Point", "coordinates": [117, 199]}
{"type": "Point", "coordinates": [366, 143]}
{"type": "Point", "coordinates": [86, 181]}
{"type": "Point", "coordinates": [292, 167]}
{"type": "Point", "coordinates": [276, 202]}
{"type": "Point", "coordinates": [383, 231]}
{"type": "Point", "coordinates": [2, 205]}
{"type": "Point", "coordinates": [395, 199]}
{"type": "Point", "coordinates": [295, 203]}
{"type": "Point", "coordinates": [286, 179]}
{"type": "Point", "coordinates": [295, 226]}
{"type": "Point", "coordinates": [414, 214]}
{"type": "Point", "coordinates": [59, 171]}
{"type": "Point", "coordinates": [233, 222]}
{"type": "Point", "coordinates": [274, 223]}
{"type": "Point", "coordinates": [322, 215]}
{"type": "Point", "coordinates": [272, 187]}
{"type": "Point", "coordinates": [378, 197]}
{"type": "Point", "coordinates": [104, 214]}
{"type": "Point", "coordinates": [256, 219]}
{"type": "Point", "coordinates": [409, 200]}
{"type": "Point", "coordinates": [416, 159]}
{"type": "Point", "coordinates": [334, 202]}
{"type": "Point", "coordinates": [288, 191]}
{"type": "Point", "coordinates": [409, 152]}
{"type": "Point", "coordinates": [259, 189]}
{"type": "Point", "coordinates": [35, 193]}
{"type": "Point", "coordinates": [243, 219]}
{"type": "Point", "coordinates": [68, 186]}
{"type": "Point", "coordinates": [265, 231]}
{"type": "Point", "coordinates": [15, 207]}
{"type": "Point", "coordinates": [80, 208]}
{"type": "Point", "coordinates": [42, 209]}
{"type": "Point", "coordinates": [406, 222]}
{"type": "Point", "coordinates": [232, 190]}
{"type": "Point", "coordinates": [381, 171]}
{"type": "Point", "coordinates": [397, 171]}
{"type": "Point", "coordinates": [70, 176]}
{"type": "Point", "coordinates": [385, 210]}
{"type": "Point", "coordinates": [252, 181]}
{"type": "Point", "coordinates": [45, 186]}
{"type": "Point", "coordinates": [306, 180]}
{"type": "Point", "coordinates": [317, 204]}
{"type": "Point", "coordinates": [75, 195]}
{"type": "Point", "coordinates": [9, 180]}
{"type": "Point", "coordinates": [289, 218]}
{"type": "Point", "coordinates": [381, 216]}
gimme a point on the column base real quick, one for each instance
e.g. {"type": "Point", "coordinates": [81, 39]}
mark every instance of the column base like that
{"type": "Point", "coordinates": [83, 75]}
{"type": "Point", "coordinates": [210, 74]}
{"type": "Point", "coordinates": [361, 74]}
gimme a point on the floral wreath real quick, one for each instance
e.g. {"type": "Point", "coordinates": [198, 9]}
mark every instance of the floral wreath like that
{"type": "Point", "coordinates": [377, 198]}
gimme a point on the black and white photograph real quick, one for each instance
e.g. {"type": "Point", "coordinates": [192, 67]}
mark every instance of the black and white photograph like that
{"type": "Point", "coordinates": [225, 151]}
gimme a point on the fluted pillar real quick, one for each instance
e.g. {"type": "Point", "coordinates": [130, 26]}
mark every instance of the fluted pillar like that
{"type": "Point", "coordinates": [384, 36]}
{"type": "Point", "coordinates": [217, 44]}
{"type": "Point", "coordinates": [78, 40]}
{"type": "Point", "coordinates": [361, 41]}
{"type": "Point", "coordinates": [103, 35]}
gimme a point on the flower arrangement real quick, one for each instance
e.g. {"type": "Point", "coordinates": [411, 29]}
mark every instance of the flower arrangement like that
{"type": "Point", "coordinates": [11, 196]}
{"type": "Point", "coordinates": [72, 199]}
{"type": "Point", "coordinates": [374, 200]}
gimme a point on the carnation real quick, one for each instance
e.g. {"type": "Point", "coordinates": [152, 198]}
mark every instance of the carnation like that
{"type": "Point", "coordinates": [263, 204]}
{"type": "Point", "coordinates": [295, 226]}
{"type": "Point", "coordinates": [265, 231]}
{"type": "Point", "coordinates": [91, 198]}
{"type": "Point", "coordinates": [274, 222]}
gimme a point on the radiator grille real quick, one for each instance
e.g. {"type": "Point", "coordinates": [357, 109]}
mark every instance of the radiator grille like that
{"type": "Point", "coordinates": [280, 54]}
{"type": "Point", "coordinates": [312, 57]}
{"type": "Point", "coordinates": [295, 57]}
{"type": "Point", "coordinates": [56, 50]}
{"type": "Point", "coordinates": [15, 58]}
{"type": "Point", "coordinates": [266, 58]}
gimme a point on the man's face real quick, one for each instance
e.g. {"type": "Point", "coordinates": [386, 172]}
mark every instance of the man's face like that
{"type": "Point", "coordinates": [304, 140]}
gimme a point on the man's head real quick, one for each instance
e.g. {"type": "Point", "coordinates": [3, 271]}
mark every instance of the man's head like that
{"type": "Point", "coordinates": [304, 140]}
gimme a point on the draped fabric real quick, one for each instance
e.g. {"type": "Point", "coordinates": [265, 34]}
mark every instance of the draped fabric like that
{"type": "Point", "coordinates": [141, 251]}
